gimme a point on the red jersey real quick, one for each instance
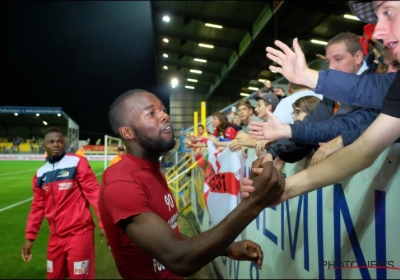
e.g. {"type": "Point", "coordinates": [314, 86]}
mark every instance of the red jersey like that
{"type": "Point", "coordinates": [62, 188]}
{"type": "Point", "coordinates": [117, 158]}
{"type": "Point", "coordinates": [131, 187]}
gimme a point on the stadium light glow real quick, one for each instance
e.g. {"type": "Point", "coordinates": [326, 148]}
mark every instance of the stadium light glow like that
{"type": "Point", "coordinates": [165, 40]}
{"type": "Point", "coordinates": [166, 18]}
{"type": "Point", "coordinates": [214, 25]}
{"type": "Point", "coordinates": [174, 82]}
{"type": "Point", "coordinates": [200, 60]}
{"type": "Point", "coordinates": [192, 80]}
{"type": "Point", "coordinates": [58, 115]}
{"type": "Point", "coordinates": [319, 42]}
{"type": "Point", "coordinates": [261, 80]}
{"type": "Point", "coordinates": [165, 67]}
{"type": "Point", "coordinates": [206, 46]}
{"type": "Point", "coordinates": [189, 87]}
{"type": "Point", "coordinates": [244, 94]}
{"type": "Point", "coordinates": [15, 114]}
{"type": "Point", "coordinates": [44, 122]}
{"type": "Point", "coordinates": [37, 115]}
{"type": "Point", "coordinates": [195, 71]}
{"type": "Point", "coordinates": [165, 55]}
{"type": "Point", "coordinates": [351, 17]}
{"type": "Point", "coordinates": [252, 88]}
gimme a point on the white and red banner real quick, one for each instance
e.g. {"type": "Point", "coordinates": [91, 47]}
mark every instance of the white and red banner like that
{"type": "Point", "coordinates": [222, 183]}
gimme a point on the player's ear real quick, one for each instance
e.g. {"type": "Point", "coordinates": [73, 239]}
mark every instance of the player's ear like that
{"type": "Point", "coordinates": [126, 133]}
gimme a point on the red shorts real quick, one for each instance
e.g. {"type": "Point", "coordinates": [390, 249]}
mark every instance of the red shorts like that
{"type": "Point", "coordinates": [71, 256]}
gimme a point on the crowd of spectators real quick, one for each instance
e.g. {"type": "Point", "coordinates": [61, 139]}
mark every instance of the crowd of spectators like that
{"type": "Point", "coordinates": [300, 123]}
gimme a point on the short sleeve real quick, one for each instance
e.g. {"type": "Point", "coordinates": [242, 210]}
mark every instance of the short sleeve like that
{"type": "Point", "coordinates": [391, 103]}
{"type": "Point", "coordinates": [124, 200]}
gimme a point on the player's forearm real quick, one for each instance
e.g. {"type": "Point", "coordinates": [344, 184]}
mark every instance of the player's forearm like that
{"type": "Point", "coordinates": [36, 215]}
{"type": "Point", "coordinates": [184, 237]}
{"type": "Point", "coordinates": [33, 225]}
{"type": "Point", "coordinates": [203, 248]}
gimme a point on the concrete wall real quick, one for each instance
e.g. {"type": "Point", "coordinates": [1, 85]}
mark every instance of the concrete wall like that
{"type": "Point", "coordinates": [182, 105]}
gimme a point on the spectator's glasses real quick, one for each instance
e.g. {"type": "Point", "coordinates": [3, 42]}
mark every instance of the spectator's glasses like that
{"type": "Point", "coordinates": [297, 112]}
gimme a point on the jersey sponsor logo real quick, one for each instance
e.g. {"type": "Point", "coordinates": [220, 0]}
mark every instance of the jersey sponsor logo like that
{"type": "Point", "coordinates": [63, 174]}
{"type": "Point", "coordinates": [65, 186]}
{"type": "Point", "coordinates": [169, 201]}
{"type": "Point", "coordinates": [81, 267]}
{"type": "Point", "coordinates": [49, 266]}
{"type": "Point", "coordinates": [46, 188]}
{"type": "Point", "coordinates": [44, 178]}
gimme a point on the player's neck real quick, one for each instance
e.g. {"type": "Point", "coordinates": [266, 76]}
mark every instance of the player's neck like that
{"type": "Point", "coordinates": [144, 154]}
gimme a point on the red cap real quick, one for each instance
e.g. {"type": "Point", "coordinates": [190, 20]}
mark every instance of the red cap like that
{"type": "Point", "coordinates": [369, 30]}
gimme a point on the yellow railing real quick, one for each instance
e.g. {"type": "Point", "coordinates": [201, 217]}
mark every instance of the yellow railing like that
{"type": "Point", "coordinates": [177, 184]}
{"type": "Point", "coordinates": [174, 170]}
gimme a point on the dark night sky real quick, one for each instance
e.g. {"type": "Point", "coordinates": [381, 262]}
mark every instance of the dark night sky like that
{"type": "Point", "coordinates": [76, 55]}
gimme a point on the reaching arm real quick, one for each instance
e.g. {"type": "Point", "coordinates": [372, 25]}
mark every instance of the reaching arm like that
{"type": "Point", "coordinates": [327, 149]}
{"type": "Point", "coordinates": [294, 151]}
{"type": "Point", "coordinates": [347, 161]}
{"type": "Point", "coordinates": [184, 257]}
{"type": "Point", "coordinates": [364, 90]}
{"type": "Point", "coordinates": [199, 145]}
{"type": "Point", "coordinates": [222, 143]}
{"type": "Point", "coordinates": [359, 90]}
{"type": "Point", "coordinates": [350, 136]}
{"type": "Point", "coordinates": [245, 139]}
{"type": "Point", "coordinates": [323, 131]}
{"type": "Point", "coordinates": [272, 149]}
{"type": "Point", "coordinates": [274, 129]}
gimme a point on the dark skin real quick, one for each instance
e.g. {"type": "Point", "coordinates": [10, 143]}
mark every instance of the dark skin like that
{"type": "Point", "coordinates": [153, 235]}
{"type": "Point", "coordinates": [54, 145]}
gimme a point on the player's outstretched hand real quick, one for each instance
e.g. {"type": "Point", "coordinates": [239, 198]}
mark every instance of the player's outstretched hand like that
{"type": "Point", "coordinates": [269, 185]}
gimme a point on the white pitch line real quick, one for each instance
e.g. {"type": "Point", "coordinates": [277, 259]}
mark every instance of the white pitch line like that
{"type": "Point", "coordinates": [5, 174]}
{"type": "Point", "coordinates": [29, 199]}
{"type": "Point", "coordinates": [15, 204]}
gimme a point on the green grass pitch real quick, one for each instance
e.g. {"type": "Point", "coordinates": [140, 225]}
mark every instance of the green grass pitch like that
{"type": "Point", "coordinates": [15, 187]}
